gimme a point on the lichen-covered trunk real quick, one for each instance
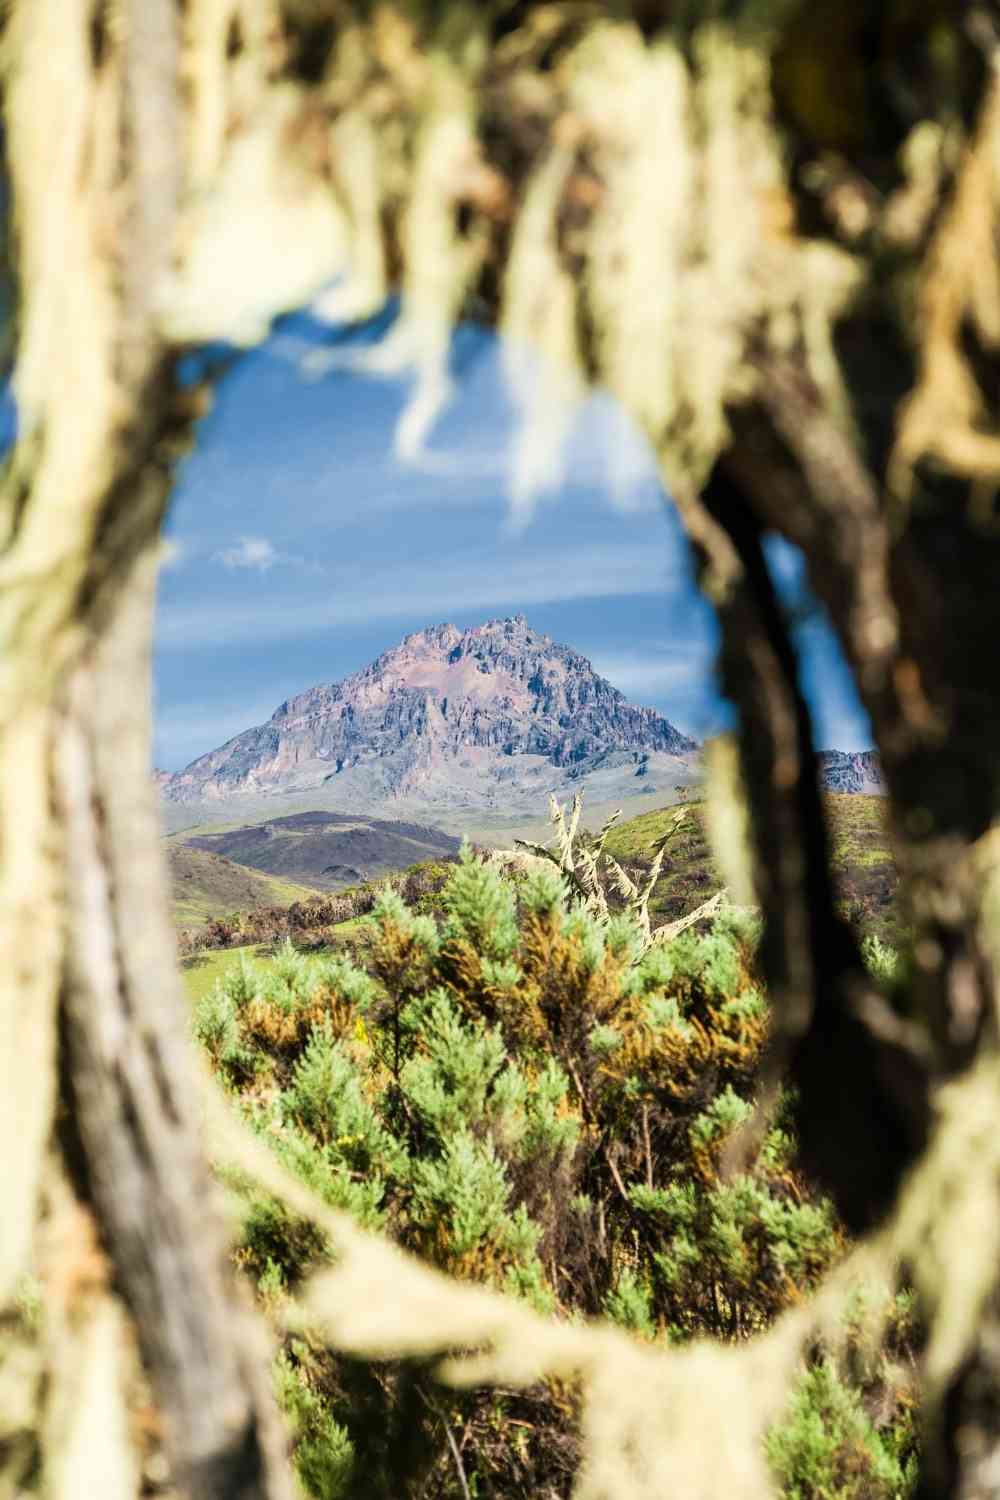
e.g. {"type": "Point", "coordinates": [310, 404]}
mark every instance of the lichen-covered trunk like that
{"type": "Point", "coordinates": [130, 1118]}
{"type": "Point", "coordinates": [829, 359]}
{"type": "Point", "coordinates": [912, 594]}
{"type": "Point", "coordinates": [98, 1085]}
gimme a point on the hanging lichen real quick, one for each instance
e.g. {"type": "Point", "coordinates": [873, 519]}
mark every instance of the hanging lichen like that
{"type": "Point", "coordinates": [620, 204]}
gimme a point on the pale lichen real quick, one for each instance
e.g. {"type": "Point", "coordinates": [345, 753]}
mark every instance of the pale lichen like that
{"type": "Point", "coordinates": [945, 418]}
{"type": "Point", "coordinates": [685, 253]}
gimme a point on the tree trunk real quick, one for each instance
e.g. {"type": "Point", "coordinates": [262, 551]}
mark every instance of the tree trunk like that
{"type": "Point", "coordinates": [94, 1041]}
{"type": "Point", "coordinates": [863, 428]}
{"type": "Point", "coordinates": [130, 1128]}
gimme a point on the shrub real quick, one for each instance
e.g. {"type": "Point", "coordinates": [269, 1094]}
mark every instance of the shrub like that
{"type": "Point", "coordinates": [828, 1448]}
{"type": "Point", "coordinates": [526, 1094]}
{"type": "Point", "coordinates": [313, 923]}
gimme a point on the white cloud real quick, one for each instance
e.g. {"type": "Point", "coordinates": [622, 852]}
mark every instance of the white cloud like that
{"type": "Point", "coordinates": [256, 552]}
{"type": "Point", "coordinates": [561, 433]}
{"type": "Point", "coordinates": [587, 572]}
{"type": "Point", "coordinates": [252, 552]}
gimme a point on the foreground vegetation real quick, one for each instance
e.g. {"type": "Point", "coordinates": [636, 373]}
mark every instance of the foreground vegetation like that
{"type": "Point", "coordinates": [510, 1087]}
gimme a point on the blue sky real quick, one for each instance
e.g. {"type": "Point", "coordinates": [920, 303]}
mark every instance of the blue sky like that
{"type": "Point", "coordinates": [304, 546]}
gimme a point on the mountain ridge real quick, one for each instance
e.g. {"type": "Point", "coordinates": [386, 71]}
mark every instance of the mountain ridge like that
{"type": "Point", "coordinates": [851, 771]}
{"type": "Point", "coordinates": [441, 709]}
{"type": "Point", "coordinates": [491, 719]}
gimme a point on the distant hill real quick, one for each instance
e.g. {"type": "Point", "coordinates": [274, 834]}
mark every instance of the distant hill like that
{"type": "Point", "coordinates": [862, 861]}
{"type": "Point", "coordinates": [317, 846]}
{"type": "Point", "coordinates": [206, 885]}
{"type": "Point", "coordinates": [493, 717]}
{"type": "Point", "coordinates": [322, 850]}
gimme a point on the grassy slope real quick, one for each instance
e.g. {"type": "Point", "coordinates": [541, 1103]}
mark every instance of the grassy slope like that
{"type": "Point", "coordinates": [862, 861]}
{"type": "Point", "coordinates": [201, 970]}
{"type": "Point", "coordinates": [208, 885]}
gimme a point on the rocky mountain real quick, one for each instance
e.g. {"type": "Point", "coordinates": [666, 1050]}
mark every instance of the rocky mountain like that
{"type": "Point", "coordinates": [475, 717]}
{"type": "Point", "coordinates": [851, 771]}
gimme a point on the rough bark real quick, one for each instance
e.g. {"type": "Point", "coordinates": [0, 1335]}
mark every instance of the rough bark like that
{"type": "Point", "coordinates": [131, 1125]}
{"type": "Point", "coordinates": [860, 1075]}
{"type": "Point", "coordinates": [84, 501]}
{"type": "Point", "coordinates": [846, 397]}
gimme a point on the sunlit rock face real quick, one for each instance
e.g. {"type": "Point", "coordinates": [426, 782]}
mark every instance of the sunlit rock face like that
{"type": "Point", "coordinates": [851, 771]}
{"type": "Point", "coordinates": [450, 716]}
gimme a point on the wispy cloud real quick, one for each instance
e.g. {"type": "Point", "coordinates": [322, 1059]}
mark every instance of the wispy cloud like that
{"type": "Point", "coordinates": [529, 425]}
{"type": "Point", "coordinates": [254, 552]}
{"type": "Point", "coordinates": [258, 554]}
{"type": "Point", "coordinates": [640, 675]}
{"type": "Point", "coordinates": [461, 586]}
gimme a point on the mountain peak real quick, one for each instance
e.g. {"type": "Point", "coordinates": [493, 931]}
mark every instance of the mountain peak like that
{"type": "Point", "coordinates": [447, 634]}
{"type": "Point", "coordinates": [443, 703]}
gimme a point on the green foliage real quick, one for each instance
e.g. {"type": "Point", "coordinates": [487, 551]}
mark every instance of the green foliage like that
{"type": "Point", "coordinates": [882, 961]}
{"type": "Point", "coordinates": [629, 1304]}
{"type": "Point", "coordinates": [480, 908]}
{"type": "Point", "coordinates": [517, 1088]}
{"type": "Point", "coordinates": [324, 1454]}
{"type": "Point", "coordinates": [828, 1448]}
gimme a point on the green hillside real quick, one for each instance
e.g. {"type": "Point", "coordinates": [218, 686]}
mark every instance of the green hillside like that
{"type": "Point", "coordinates": [202, 969]}
{"type": "Point", "coordinates": [206, 885]}
{"type": "Point", "coordinates": [209, 885]}
{"type": "Point", "coordinates": [863, 866]}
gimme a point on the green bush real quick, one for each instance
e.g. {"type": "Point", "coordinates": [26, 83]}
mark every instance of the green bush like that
{"type": "Point", "coordinates": [324, 1454]}
{"type": "Point", "coordinates": [828, 1448]}
{"type": "Point", "coordinates": [518, 1092]}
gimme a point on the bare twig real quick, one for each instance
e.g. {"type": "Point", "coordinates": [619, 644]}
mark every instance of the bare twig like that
{"type": "Point", "coordinates": [648, 1145]}
{"type": "Point", "coordinates": [456, 1453]}
{"type": "Point", "coordinates": [708, 908]}
{"type": "Point", "coordinates": [459, 1466]}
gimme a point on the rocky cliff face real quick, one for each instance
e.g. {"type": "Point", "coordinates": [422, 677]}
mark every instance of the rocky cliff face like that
{"type": "Point", "coordinates": [443, 708]}
{"type": "Point", "coordinates": [851, 771]}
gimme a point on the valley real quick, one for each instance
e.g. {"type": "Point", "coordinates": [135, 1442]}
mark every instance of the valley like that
{"type": "Point", "coordinates": [455, 734]}
{"type": "Point", "coordinates": [862, 863]}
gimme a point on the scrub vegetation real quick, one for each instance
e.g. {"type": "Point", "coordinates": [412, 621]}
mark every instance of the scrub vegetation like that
{"type": "Point", "coordinates": [822, 363]}
{"type": "Point", "coordinates": [524, 1094]}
